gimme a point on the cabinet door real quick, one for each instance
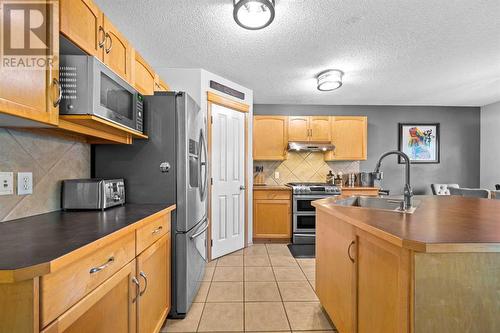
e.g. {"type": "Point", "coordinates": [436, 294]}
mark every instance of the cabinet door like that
{"type": "Point", "coordinates": [81, 22]}
{"type": "Point", "coordinates": [111, 307]}
{"type": "Point", "coordinates": [153, 272]}
{"type": "Point", "coordinates": [272, 219]}
{"type": "Point", "coordinates": [383, 286]}
{"type": "Point", "coordinates": [298, 128]}
{"type": "Point", "coordinates": [349, 135]}
{"type": "Point", "coordinates": [143, 75]}
{"type": "Point", "coordinates": [117, 51]}
{"type": "Point", "coordinates": [32, 93]}
{"type": "Point", "coordinates": [160, 85]}
{"type": "Point", "coordinates": [335, 271]}
{"type": "Point", "coordinates": [320, 129]}
{"type": "Point", "coordinates": [270, 137]}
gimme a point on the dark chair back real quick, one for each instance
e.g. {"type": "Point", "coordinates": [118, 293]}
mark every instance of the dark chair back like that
{"type": "Point", "coordinates": [497, 187]}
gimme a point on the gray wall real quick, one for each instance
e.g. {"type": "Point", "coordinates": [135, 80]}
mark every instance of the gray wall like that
{"type": "Point", "coordinates": [460, 140]}
{"type": "Point", "coordinates": [490, 152]}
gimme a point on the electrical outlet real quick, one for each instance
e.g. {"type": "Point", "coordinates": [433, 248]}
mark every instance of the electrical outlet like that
{"type": "Point", "coordinates": [276, 175]}
{"type": "Point", "coordinates": [24, 183]}
{"type": "Point", "coordinates": [6, 183]}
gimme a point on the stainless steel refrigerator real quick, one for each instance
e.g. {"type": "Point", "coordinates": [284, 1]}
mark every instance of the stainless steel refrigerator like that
{"type": "Point", "coordinates": [169, 168]}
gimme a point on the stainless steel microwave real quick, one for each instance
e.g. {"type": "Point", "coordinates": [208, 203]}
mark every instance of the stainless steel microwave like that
{"type": "Point", "coordinates": [90, 88]}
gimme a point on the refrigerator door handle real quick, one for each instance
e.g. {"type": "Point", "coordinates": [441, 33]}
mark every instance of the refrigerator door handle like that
{"type": "Point", "coordinates": [204, 165]}
{"type": "Point", "coordinates": [199, 233]}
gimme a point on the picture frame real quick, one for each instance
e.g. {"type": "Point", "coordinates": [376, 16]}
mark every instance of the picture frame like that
{"type": "Point", "coordinates": [420, 141]}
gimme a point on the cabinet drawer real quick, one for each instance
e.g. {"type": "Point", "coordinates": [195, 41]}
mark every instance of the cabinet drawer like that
{"type": "Point", "coordinates": [272, 195]}
{"type": "Point", "coordinates": [151, 232]}
{"type": "Point", "coordinates": [64, 288]}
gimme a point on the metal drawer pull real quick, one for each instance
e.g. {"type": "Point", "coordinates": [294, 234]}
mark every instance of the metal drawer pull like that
{"type": "Point", "coordinates": [60, 92]}
{"type": "Point", "coordinates": [349, 251]}
{"type": "Point", "coordinates": [107, 36]}
{"type": "Point", "coordinates": [103, 39]}
{"type": "Point", "coordinates": [103, 266]}
{"type": "Point", "coordinates": [137, 288]}
{"type": "Point", "coordinates": [157, 230]}
{"type": "Point", "coordinates": [143, 275]}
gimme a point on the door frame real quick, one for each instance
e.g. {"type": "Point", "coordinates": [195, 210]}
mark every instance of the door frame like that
{"type": "Point", "coordinates": [213, 98]}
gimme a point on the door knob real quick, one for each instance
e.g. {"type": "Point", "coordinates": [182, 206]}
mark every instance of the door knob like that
{"type": "Point", "coordinates": [164, 167]}
{"type": "Point", "coordinates": [242, 187]}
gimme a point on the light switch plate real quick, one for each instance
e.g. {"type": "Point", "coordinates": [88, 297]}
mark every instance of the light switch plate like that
{"type": "Point", "coordinates": [24, 183]}
{"type": "Point", "coordinates": [276, 175]}
{"type": "Point", "coordinates": [6, 183]}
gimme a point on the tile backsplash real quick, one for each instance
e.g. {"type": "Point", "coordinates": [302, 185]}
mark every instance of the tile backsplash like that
{"type": "Point", "coordinates": [303, 167]}
{"type": "Point", "coordinates": [50, 159]}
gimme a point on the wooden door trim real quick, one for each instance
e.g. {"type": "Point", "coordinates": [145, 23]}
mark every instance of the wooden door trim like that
{"type": "Point", "coordinates": [213, 98]}
{"type": "Point", "coordinates": [226, 102]}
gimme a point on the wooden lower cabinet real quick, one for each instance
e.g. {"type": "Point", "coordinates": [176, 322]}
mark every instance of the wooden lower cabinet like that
{"type": "Point", "coordinates": [362, 282]}
{"type": "Point", "coordinates": [336, 272]}
{"type": "Point", "coordinates": [272, 217]}
{"type": "Point", "coordinates": [153, 268]}
{"type": "Point", "coordinates": [111, 307]}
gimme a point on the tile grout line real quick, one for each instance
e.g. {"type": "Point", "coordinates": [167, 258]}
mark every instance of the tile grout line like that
{"type": "Point", "coordinates": [281, 296]}
{"type": "Point", "coordinates": [206, 298]}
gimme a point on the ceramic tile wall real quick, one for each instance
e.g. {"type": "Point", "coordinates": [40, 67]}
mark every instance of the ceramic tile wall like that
{"type": "Point", "coordinates": [303, 167]}
{"type": "Point", "coordinates": [50, 159]}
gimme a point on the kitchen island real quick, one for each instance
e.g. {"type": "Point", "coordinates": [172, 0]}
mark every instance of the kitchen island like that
{"type": "Point", "coordinates": [436, 270]}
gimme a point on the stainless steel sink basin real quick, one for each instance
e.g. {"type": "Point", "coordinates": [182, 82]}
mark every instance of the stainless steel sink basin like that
{"type": "Point", "coordinates": [385, 204]}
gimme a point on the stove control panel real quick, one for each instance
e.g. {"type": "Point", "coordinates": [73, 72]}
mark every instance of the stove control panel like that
{"type": "Point", "coordinates": [308, 189]}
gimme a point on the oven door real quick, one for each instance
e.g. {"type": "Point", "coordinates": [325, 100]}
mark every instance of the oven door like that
{"type": "Point", "coordinates": [113, 98]}
{"type": "Point", "coordinates": [302, 203]}
{"type": "Point", "coordinates": [304, 223]}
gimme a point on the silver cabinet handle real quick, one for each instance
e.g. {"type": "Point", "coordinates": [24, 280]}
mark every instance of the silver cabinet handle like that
{"type": "Point", "coordinates": [349, 251]}
{"type": "Point", "coordinates": [106, 37]}
{"type": "Point", "coordinates": [157, 230]}
{"type": "Point", "coordinates": [103, 266]}
{"type": "Point", "coordinates": [137, 288]}
{"type": "Point", "coordinates": [102, 36]}
{"type": "Point", "coordinates": [143, 275]}
{"type": "Point", "coordinates": [60, 92]}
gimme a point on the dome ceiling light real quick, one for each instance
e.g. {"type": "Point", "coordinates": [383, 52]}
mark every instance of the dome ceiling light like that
{"type": "Point", "coordinates": [253, 14]}
{"type": "Point", "coordinates": [330, 80]}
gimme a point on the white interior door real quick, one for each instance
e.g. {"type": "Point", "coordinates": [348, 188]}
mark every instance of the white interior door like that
{"type": "Point", "coordinates": [228, 174]}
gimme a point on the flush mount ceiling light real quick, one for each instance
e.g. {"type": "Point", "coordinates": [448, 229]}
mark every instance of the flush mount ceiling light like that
{"type": "Point", "coordinates": [253, 14]}
{"type": "Point", "coordinates": [330, 80]}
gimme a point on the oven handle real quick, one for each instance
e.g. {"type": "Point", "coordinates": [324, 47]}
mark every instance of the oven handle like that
{"type": "Point", "coordinates": [311, 197]}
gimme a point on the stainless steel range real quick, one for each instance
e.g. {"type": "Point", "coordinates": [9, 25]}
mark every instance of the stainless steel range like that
{"type": "Point", "coordinates": [304, 214]}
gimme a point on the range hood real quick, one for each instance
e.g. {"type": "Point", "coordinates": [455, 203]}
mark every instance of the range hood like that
{"type": "Point", "coordinates": [310, 146]}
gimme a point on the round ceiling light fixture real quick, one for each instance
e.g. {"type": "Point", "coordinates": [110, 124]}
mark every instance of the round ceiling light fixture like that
{"type": "Point", "coordinates": [253, 14]}
{"type": "Point", "coordinates": [330, 80]}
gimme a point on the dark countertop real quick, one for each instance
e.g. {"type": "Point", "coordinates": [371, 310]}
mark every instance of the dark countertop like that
{"type": "Point", "coordinates": [439, 224]}
{"type": "Point", "coordinates": [42, 238]}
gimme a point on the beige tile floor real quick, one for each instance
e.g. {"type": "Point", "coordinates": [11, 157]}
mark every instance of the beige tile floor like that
{"type": "Point", "coordinates": [261, 288]}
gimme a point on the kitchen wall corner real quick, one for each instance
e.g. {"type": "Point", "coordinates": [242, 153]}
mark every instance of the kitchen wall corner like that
{"type": "Point", "coordinates": [50, 159]}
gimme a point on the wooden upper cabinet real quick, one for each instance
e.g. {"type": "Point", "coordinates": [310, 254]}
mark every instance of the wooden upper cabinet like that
{"type": "Point", "coordinates": [320, 128]}
{"type": "Point", "coordinates": [82, 23]}
{"type": "Point", "coordinates": [349, 135]}
{"type": "Point", "coordinates": [117, 51]}
{"type": "Point", "coordinates": [270, 137]}
{"type": "Point", "coordinates": [32, 94]}
{"type": "Point", "coordinates": [160, 85]}
{"type": "Point", "coordinates": [309, 128]}
{"type": "Point", "coordinates": [143, 75]}
{"type": "Point", "coordinates": [153, 272]}
{"type": "Point", "coordinates": [298, 128]}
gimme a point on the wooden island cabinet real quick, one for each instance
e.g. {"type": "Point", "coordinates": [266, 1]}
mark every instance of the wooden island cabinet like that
{"type": "Point", "coordinates": [435, 270]}
{"type": "Point", "coordinates": [116, 283]}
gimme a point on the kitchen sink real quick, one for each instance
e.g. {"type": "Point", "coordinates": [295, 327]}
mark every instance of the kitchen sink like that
{"type": "Point", "coordinates": [385, 204]}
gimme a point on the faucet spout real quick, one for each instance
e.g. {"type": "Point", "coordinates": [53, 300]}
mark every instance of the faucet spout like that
{"type": "Point", "coordinates": [408, 192]}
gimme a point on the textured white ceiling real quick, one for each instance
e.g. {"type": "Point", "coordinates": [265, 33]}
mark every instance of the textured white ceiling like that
{"type": "Point", "coordinates": [400, 52]}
